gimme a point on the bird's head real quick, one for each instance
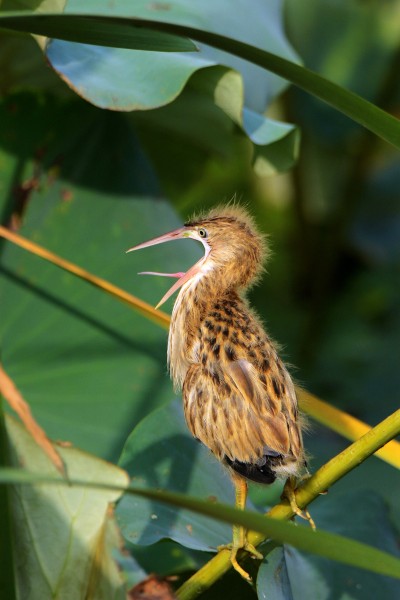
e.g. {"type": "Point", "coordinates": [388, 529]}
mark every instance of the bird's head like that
{"type": "Point", "coordinates": [234, 249]}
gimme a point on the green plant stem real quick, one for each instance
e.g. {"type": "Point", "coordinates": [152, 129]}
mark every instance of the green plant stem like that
{"type": "Point", "coordinates": [323, 479]}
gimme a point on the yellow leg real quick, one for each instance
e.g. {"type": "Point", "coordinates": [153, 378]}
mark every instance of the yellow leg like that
{"type": "Point", "coordinates": [239, 538]}
{"type": "Point", "coordinates": [288, 492]}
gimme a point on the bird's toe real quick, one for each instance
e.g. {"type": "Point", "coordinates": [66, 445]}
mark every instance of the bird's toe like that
{"type": "Point", "coordinates": [289, 494]}
{"type": "Point", "coordinates": [233, 557]}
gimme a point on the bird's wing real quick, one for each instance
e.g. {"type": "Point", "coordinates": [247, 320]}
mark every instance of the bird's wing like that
{"type": "Point", "coordinates": [240, 373]}
{"type": "Point", "coordinates": [269, 429]}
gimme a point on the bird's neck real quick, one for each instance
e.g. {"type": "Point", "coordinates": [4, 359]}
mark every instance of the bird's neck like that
{"type": "Point", "coordinates": [190, 309]}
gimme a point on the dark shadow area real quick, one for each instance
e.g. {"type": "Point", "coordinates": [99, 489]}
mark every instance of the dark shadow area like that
{"type": "Point", "coordinates": [83, 144]}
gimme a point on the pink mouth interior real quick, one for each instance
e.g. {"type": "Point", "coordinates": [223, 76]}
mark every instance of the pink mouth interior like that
{"type": "Point", "coordinates": [177, 275]}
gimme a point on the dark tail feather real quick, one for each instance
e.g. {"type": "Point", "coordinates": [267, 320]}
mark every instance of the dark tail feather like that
{"type": "Point", "coordinates": [254, 472]}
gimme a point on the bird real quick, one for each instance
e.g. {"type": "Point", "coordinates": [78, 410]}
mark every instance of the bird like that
{"type": "Point", "coordinates": [239, 399]}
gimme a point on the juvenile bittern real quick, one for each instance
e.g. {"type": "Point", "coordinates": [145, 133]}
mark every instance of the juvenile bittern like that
{"type": "Point", "coordinates": [239, 399]}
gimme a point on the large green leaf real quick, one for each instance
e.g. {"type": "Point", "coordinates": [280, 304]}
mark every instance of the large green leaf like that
{"type": "Point", "coordinates": [261, 27]}
{"type": "Point", "coordinates": [287, 574]}
{"type": "Point", "coordinates": [90, 367]}
{"type": "Point", "coordinates": [63, 536]}
{"type": "Point", "coordinates": [100, 74]}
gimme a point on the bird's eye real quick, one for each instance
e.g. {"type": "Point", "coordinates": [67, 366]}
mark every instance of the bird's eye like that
{"type": "Point", "coordinates": [203, 233]}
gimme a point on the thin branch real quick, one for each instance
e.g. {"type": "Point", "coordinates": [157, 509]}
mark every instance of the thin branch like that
{"type": "Point", "coordinates": [18, 404]}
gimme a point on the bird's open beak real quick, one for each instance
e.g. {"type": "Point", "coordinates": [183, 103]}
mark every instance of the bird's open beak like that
{"type": "Point", "coordinates": [177, 234]}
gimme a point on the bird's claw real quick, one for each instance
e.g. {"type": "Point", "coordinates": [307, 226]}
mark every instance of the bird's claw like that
{"type": "Point", "coordinates": [288, 493]}
{"type": "Point", "coordinates": [254, 553]}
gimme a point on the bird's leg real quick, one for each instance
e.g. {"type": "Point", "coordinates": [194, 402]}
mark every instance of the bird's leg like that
{"type": "Point", "coordinates": [239, 538]}
{"type": "Point", "coordinates": [288, 492]}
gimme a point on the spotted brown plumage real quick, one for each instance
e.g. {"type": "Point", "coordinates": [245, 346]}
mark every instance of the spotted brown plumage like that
{"type": "Point", "coordinates": [238, 397]}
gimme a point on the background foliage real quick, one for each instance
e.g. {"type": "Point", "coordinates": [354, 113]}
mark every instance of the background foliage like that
{"type": "Point", "coordinates": [101, 148]}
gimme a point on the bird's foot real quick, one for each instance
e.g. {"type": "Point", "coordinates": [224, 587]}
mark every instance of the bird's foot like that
{"type": "Point", "coordinates": [234, 549]}
{"type": "Point", "coordinates": [288, 493]}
